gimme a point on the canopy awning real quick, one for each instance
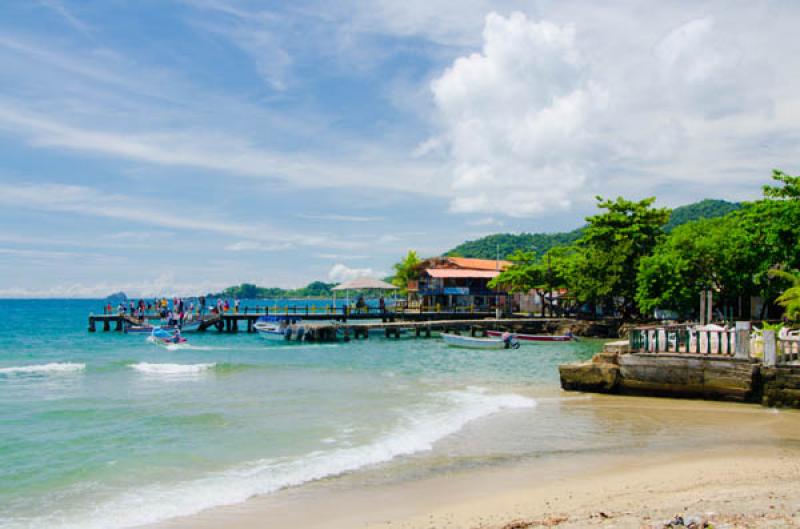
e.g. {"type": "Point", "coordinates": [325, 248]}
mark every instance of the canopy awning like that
{"type": "Point", "coordinates": [445, 273]}
{"type": "Point", "coordinates": [363, 283]}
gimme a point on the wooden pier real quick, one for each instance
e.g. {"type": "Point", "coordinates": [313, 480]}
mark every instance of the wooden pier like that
{"type": "Point", "coordinates": [233, 322]}
{"type": "Point", "coordinates": [328, 327]}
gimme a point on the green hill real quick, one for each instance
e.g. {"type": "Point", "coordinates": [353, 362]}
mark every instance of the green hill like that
{"type": "Point", "coordinates": [316, 289]}
{"type": "Point", "coordinates": [507, 243]}
{"type": "Point", "coordinates": [705, 209]}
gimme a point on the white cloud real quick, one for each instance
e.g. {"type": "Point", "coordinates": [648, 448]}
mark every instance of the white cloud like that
{"type": "Point", "coordinates": [60, 9]}
{"type": "Point", "coordinates": [515, 117]}
{"type": "Point", "coordinates": [226, 153]}
{"type": "Point", "coordinates": [485, 221]}
{"type": "Point", "coordinates": [257, 246]}
{"type": "Point", "coordinates": [340, 218]}
{"type": "Point", "coordinates": [167, 284]}
{"type": "Point", "coordinates": [89, 201]}
{"type": "Point", "coordinates": [545, 116]}
{"type": "Point", "coordinates": [340, 273]}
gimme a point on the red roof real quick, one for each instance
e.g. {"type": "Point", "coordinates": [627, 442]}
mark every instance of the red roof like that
{"type": "Point", "coordinates": [479, 264]}
{"type": "Point", "coordinates": [458, 272]}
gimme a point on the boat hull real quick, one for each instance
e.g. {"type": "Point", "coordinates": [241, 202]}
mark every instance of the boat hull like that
{"type": "Point", "coordinates": [454, 340]}
{"type": "Point", "coordinates": [534, 337]}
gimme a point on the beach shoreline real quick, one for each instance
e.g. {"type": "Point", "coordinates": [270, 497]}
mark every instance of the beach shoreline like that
{"type": "Point", "coordinates": [736, 484]}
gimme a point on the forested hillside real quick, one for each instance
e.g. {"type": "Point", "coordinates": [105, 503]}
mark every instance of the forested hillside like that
{"type": "Point", "coordinates": [507, 243]}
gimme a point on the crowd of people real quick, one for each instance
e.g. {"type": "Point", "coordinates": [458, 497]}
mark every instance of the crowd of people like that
{"type": "Point", "coordinates": [178, 310]}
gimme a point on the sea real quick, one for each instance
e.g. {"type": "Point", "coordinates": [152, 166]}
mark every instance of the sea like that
{"type": "Point", "coordinates": [105, 430]}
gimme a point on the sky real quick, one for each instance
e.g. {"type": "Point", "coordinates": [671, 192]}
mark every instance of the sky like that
{"type": "Point", "coordinates": [167, 147]}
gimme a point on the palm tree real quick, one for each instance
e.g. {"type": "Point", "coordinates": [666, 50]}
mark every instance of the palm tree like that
{"type": "Point", "coordinates": [790, 299]}
{"type": "Point", "coordinates": [406, 270]}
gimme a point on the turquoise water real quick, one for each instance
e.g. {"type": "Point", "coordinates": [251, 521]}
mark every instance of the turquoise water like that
{"type": "Point", "coordinates": [107, 430]}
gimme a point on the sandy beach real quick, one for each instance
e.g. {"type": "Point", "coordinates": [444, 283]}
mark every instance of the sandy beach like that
{"type": "Point", "coordinates": [747, 476]}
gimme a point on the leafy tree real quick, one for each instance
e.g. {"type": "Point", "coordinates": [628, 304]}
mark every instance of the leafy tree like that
{"type": "Point", "coordinates": [713, 254]}
{"type": "Point", "coordinates": [405, 271]}
{"type": "Point", "coordinates": [734, 254]}
{"type": "Point", "coordinates": [790, 298]}
{"type": "Point", "coordinates": [613, 244]}
{"type": "Point", "coordinates": [542, 274]}
{"type": "Point", "coordinates": [508, 243]}
{"type": "Point", "coordinates": [789, 190]}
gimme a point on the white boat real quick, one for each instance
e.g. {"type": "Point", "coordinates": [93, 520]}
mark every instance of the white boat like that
{"type": "Point", "coordinates": [280, 328]}
{"type": "Point", "coordinates": [456, 340]}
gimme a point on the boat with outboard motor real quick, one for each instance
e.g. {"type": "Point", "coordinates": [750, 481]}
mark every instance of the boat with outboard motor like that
{"type": "Point", "coordinates": [456, 340]}
{"type": "Point", "coordinates": [286, 328]}
{"type": "Point", "coordinates": [167, 338]}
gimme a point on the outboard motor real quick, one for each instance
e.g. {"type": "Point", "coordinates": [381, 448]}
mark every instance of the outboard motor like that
{"type": "Point", "coordinates": [509, 341]}
{"type": "Point", "coordinates": [301, 332]}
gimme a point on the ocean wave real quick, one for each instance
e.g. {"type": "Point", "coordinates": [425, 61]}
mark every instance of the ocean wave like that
{"type": "Point", "coordinates": [54, 367]}
{"type": "Point", "coordinates": [417, 432]}
{"type": "Point", "coordinates": [172, 369]}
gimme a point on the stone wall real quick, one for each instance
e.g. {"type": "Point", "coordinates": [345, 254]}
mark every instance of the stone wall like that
{"type": "Point", "coordinates": [688, 376]}
{"type": "Point", "coordinates": [780, 386]}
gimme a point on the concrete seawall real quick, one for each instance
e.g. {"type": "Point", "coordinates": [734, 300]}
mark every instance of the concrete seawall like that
{"type": "Point", "coordinates": [615, 370]}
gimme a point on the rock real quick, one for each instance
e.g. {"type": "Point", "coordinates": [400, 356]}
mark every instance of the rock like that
{"type": "Point", "coordinates": [589, 376]}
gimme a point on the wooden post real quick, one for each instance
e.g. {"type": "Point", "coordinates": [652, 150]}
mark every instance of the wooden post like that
{"type": "Point", "coordinates": [250, 326]}
{"type": "Point", "coordinates": [106, 326]}
{"type": "Point", "coordinates": [742, 340]}
{"type": "Point", "coordinates": [91, 324]}
{"type": "Point", "coordinates": [703, 307]}
{"type": "Point", "coordinates": [710, 306]}
{"type": "Point", "coordinates": [118, 328]}
{"type": "Point", "coordinates": [770, 349]}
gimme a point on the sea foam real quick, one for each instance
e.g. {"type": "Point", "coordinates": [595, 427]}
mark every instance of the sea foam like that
{"type": "Point", "coordinates": [417, 432]}
{"type": "Point", "coordinates": [172, 369]}
{"type": "Point", "coordinates": [54, 367]}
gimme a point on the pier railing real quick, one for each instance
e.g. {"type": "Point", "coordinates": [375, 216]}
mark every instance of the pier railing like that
{"type": "Point", "coordinates": [765, 345]}
{"type": "Point", "coordinates": [787, 350]}
{"type": "Point", "coordinates": [689, 339]}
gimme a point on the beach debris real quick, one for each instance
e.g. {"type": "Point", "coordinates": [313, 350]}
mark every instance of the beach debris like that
{"type": "Point", "coordinates": [690, 522]}
{"type": "Point", "coordinates": [550, 521]}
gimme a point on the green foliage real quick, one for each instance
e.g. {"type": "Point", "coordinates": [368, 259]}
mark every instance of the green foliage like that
{"type": "Point", "coordinates": [508, 243]}
{"type": "Point", "coordinates": [705, 209]}
{"type": "Point", "coordinates": [405, 271]}
{"type": "Point", "coordinates": [613, 244]}
{"type": "Point", "coordinates": [735, 255]}
{"type": "Point", "coordinates": [709, 253]}
{"type": "Point", "coordinates": [315, 289]}
{"type": "Point", "coordinates": [790, 188]}
{"type": "Point", "coordinates": [790, 298]}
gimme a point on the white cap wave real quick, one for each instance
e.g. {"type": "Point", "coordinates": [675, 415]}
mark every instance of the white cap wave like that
{"type": "Point", "coordinates": [172, 369]}
{"type": "Point", "coordinates": [53, 367]}
{"type": "Point", "coordinates": [417, 433]}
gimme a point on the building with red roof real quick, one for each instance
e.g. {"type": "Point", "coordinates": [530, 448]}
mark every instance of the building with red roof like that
{"type": "Point", "coordinates": [458, 282]}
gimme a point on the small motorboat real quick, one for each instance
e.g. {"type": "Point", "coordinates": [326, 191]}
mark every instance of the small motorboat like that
{"type": "Point", "coordinates": [284, 328]}
{"type": "Point", "coordinates": [535, 337]}
{"type": "Point", "coordinates": [165, 338]}
{"type": "Point", "coordinates": [455, 340]}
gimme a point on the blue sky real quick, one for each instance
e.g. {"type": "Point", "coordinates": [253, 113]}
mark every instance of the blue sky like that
{"type": "Point", "coordinates": [182, 146]}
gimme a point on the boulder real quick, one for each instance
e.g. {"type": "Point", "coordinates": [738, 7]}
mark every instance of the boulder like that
{"type": "Point", "coordinates": [589, 376]}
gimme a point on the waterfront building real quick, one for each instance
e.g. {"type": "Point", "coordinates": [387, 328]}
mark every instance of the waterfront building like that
{"type": "Point", "coordinates": [458, 283]}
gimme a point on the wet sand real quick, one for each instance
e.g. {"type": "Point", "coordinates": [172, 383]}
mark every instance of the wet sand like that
{"type": "Point", "coordinates": [740, 469]}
